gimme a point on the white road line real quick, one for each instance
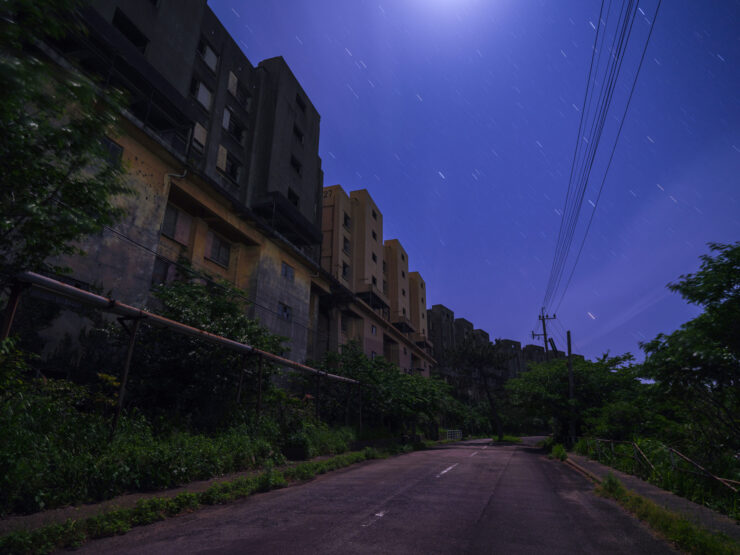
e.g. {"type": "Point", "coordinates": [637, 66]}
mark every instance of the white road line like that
{"type": "Point", "coordinates": [485, 447]}
{"type": "Point", "coordinates": [375, 518]}
{"type": "Point", "coordinates": [446, 470]}
{"type": "Point", "coordinates": [473, 454]}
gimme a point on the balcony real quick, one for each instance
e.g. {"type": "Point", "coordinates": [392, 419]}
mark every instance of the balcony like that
{"type": "Point", "coordinates": [422, 341]}
{"type": "Point", "coordinates": [402, 323]}
{"type": "Point", "coordinates": [373, 296]}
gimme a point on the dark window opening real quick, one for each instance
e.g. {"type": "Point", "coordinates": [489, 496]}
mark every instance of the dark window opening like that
{"type": "Point", "coordinates": [176, 225]}
{"type": "Point", "coordinates": [375, 280]}
{"type": "Point", "coordinates": [201, 93]}
{"type": "Point", "coordinates": [164, 271]}
{"type": "Point", "coordinates": [300, 102]}
{"type": "Point", "coordinates": [295, 164]}
{"type": "Point", "coordinates": [233, 168]}
{"type": "Point", "coordinates": [129, 30]}
{"type": "Point", "coordinates": [293, 197]}
{"type": "Point", "coordinates": [347, 221]}
{"type": "Point", "coordinates": [113, 152]}
{"type": "Point", "coordinates": [375, 215]}
{"type": "Point", "coordinates": [345, 271]}
{"type": "Point", "coordinates": [235, 128]}
{"type": "Point", "coordinates": [208, 54]}
{"type": "Point", "coordinates": [375, 236]}
{"type": "Point", "coordinates": [298, 134]}
{"type": "Point", "coordinates": [287, 272]}
{"type": "Point", "coordinates": [285, 312]}
{"type": "Point", "coordinates": [220, 251]}
{"type": "Point", "coordinates": [375, 258]}
{"type": "Point", "coordinates": [346, 246]}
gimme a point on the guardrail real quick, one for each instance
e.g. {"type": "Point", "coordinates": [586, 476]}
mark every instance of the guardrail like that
{"type": "Point", "coordinates": [642, 460]}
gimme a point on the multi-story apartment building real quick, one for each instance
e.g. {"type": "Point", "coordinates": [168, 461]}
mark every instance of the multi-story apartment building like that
{"type": "Point", "coordinates": [463, 331]}
{"type": "Point", "coordinates": [441, 322]}
{"type": "Point", "coordinates": [222, 157]}
{"type": "Point", "coordinates": [377, 307]}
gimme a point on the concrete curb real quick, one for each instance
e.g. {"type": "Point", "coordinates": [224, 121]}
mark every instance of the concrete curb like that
{"type": "Point", "coordinates": [578, 468]}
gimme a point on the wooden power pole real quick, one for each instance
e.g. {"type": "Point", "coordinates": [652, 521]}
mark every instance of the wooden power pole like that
{"type": "Point", "coordinates": [544, 318]}
{"type": "Point", "coordinates": [571, 396]}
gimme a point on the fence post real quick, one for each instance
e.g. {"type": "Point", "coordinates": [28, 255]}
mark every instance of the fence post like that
{"type": "Point", "coordinates": [259, 386]}
{"type": "Point", "coordinates": [10, 308]}
{"type": "Point", "coordinates": [126, 366]}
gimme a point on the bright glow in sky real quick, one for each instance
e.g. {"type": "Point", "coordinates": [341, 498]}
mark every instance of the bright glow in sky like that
{"type": "Point", "coordinates": [460, 118]}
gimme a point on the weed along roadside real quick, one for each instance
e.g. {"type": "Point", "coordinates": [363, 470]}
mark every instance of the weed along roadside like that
{"type": "Point", "coordinates": [115, 521]}
{"type": "Point", "coordinates": [677, 521]}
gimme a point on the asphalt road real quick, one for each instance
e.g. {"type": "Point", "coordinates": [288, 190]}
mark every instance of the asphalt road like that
{"type": "Point", "coordinates": [463, 498]}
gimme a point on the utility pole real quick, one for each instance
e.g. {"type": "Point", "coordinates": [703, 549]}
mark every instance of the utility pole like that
{"type": "Point", "coordinates": [544, 318]}
{"type": "Point", "coordinates": [571, 396]}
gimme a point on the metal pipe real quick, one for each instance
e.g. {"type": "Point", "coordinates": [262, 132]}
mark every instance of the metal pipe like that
{"type": "Point", "coordinates": [116, 307]}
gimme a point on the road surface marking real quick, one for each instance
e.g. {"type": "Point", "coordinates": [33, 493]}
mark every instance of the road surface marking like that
{"type": "Point", "coordinates": [375, 518]}
{"type": "Point", "coordinates": [446, 470]}
{"type": "Point", "coordinates": [485, 447]}
{"type": "Point", "coordinates": [474, 453]}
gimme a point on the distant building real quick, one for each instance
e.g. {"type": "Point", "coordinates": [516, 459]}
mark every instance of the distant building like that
{"type": "Point", "coordinates": [383, 304]}
{"type": "Point", "coordinates": [441, 322]}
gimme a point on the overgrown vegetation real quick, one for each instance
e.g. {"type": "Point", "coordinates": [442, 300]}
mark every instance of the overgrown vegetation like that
{"type": "Point", "coordinates": [57, 185]}
{"type": "Point", "coordinates": [686, 395]}
{"type": "Point", "coordinates": [686, 536]}
{"type": "Point", "coordinates": [72, 534]}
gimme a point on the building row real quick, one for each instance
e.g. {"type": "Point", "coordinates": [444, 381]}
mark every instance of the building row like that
{"type": "Point", "coordinates": [449, 334]}
{"type": "Point", "coordinates": [222, 157]}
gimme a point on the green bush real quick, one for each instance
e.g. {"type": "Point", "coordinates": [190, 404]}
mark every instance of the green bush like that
{"type": "Point", "coordinates": [559, 452]}
{"type": "Point", "coordinates": [612, 486]}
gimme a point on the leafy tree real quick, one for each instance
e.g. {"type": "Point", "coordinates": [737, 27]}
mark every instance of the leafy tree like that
{"type": "Point", "coordinates": [180, 378]}
{"type": "Point", "coordinates": [56, 186]}
{"type": "Point", "coordinates": [391, 399]}
{"type": "Point", "coordinates": [608, 402]}
{"type": "Point", "coordinates": [697, 367]}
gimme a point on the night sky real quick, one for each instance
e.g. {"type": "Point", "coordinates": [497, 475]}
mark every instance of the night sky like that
{"type": "Point", "coordinates": [461, 119]}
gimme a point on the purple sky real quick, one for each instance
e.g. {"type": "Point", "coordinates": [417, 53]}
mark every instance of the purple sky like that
{"type": "Point", "coordinates": [460, 117]}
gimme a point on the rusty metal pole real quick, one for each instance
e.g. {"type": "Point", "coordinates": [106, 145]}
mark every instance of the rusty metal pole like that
{"type": "Point", "coordinates": [124, 380]}
{"type": "Point", "coordinates": [259, 386]}
{"type": "Point", "coordinates": [10, 309]}
{"type": "Point", "coordinates": [241, 379]}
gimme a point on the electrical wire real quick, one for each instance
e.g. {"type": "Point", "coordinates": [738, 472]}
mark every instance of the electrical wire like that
{"type": "Point", "coordinates": [597, 127]}
{"type": "Point", "coordinates": [570, 179]}
{"type": "Point", "coordinates": [589, 153]}
{"type": "Point", "coordinates": [611, 156]}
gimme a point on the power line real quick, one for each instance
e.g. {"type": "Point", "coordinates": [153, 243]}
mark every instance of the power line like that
{"type": "Point", "coordinates": [589, 153]}
{"type": "Point", "coordinates": [584, 157]}
{"type": "Point", "coordinates": [580, 126]}
{"type": "Point", "coordinates": [605, 98]}
{"type": "Point", "coordinates": [611, 156]}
